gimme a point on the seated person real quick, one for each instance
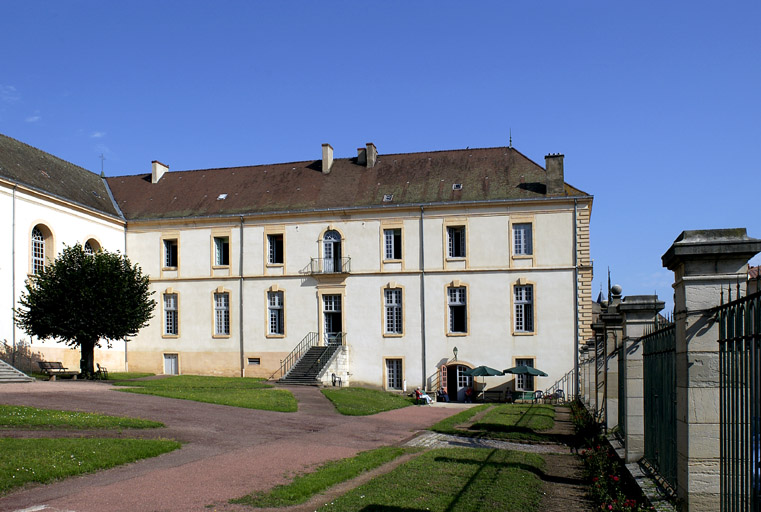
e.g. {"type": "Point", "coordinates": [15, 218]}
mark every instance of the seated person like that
{"type": "Point", "coordinates": [421, 395]}
{"type": "Point", "coordinates": [442, 396]}
{"type": "Point", "coordinates": [469, 394]}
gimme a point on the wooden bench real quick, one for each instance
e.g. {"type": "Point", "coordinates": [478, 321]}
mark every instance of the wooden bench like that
{"type": "Point", "coordinates": [492, 396]}
{"type": "Point", "coordinates": [56, 369]}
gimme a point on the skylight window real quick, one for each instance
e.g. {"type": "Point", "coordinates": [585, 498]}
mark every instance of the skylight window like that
{"type": "Point", "coordinates": [387, 198]}
{"type": "Point", "coordinates": [457, 186]}
{"type": "Point", "coordinates": [220, 197]}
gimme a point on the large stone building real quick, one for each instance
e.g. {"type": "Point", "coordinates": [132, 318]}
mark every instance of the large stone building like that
{"type": "Point", "coordinates": [396, 259]}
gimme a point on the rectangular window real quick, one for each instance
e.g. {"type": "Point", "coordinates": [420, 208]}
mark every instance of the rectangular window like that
{"type": "Point", "coordinates": [394, 323]}
{"type": "Point", "coordinates": [458, 310]}
{"type": "Point", "coordinates": [254, 361]}
{"type": "Point", "coordinates": [522, 243]}
{"type": "Point", "coordinates": [394, 374]}
{"type": "Point", "coordinates": [524, 382]}
{"type": "Point", "coordinates": [171, 324]}
{"type": "Point", "coordinates": [393, 244]}
{"type": "Point", "coordinates": [275, 248]}
{"type": "Point", "coordinates": [222, 314]}
{"type": "Point", "coordinates": [524, 308]}
{"type": "Point", "coordinates": [276, 323]}
{"type": "Point", "coordinates": [456, 241]}
{"type": "Point", "coordinates": [221, 251]}
{"type": "Point", "coordinates": [170, 253]}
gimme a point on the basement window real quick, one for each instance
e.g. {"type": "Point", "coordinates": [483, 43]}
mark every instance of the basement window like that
{"type": "Point", "coordinates": [254, 361]}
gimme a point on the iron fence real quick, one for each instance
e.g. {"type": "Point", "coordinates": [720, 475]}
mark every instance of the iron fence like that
{"type": "Point", "coordinates": [659, 364]}
{"type": "Point", "coordinates": [740, 402]}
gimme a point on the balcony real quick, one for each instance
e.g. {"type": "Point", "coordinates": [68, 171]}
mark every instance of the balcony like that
{"type": "Point", "coordinates": [323, 266]}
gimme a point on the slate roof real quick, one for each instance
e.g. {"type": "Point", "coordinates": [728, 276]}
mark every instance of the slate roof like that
{"type": "Point", "coordinates": [410, 179]}
{"type": "Point", "coordinates": [44, 172]}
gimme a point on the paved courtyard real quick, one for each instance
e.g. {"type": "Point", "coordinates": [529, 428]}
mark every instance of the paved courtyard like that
{"type": "Point", "coordinates": [227, 451]}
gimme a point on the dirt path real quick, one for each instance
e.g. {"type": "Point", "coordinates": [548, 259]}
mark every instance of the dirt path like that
{"type": "Point", "coordinates": [230, 452]}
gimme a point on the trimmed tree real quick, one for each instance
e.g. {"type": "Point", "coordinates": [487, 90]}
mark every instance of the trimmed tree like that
{"type": "Point", "coordinates": [84, 299]}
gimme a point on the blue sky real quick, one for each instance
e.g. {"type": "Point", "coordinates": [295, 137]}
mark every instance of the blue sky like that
{"type": "Point", "coordinates": [656, 105]}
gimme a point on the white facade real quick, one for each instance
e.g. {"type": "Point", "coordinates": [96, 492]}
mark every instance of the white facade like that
{"type": "Point", "coordinates": [61, 223]}
{"type": "Point", "coordinates": [488, 272]}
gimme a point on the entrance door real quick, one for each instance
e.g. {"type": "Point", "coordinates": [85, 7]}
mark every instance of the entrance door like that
{"type": "Point", "coordinates": [170, 364]}
{"type": "Point", "coordinates": [331, 310]}
{"type": "Point", "coordinates": [458, 382]}
{"type": "Point", "coordinates": [331, 251]}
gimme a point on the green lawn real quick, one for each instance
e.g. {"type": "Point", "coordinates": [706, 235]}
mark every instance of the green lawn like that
{"type": "Point", "coordinates": [517, 421]}
{"type": "Point", "coordinates": [447, 479]}
{"type": "Point", "coordinates": [363, 402]}
{"type": "Point", "coordinates": [303, 487]}
{"type": "Point", "coordinates": [507, 421]}
{"type": "Point", "coordinates": [235, 391]}
{"type": "Point", "coordinates": [13, 416]}
{"type": "Point", "coordinates": [127, 375]}
{"type": "Point", "coordinates": [45, 460]}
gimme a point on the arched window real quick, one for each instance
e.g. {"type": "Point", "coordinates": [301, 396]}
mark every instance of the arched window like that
{"type": "Point", "coordinates": [38, 250]}
{"type": "Point", "coordinates": [92, 246]}
{"type": "Point", "coordinates": [331, 251]}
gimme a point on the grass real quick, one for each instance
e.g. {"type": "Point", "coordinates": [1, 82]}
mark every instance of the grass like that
{"type": "Point", "coordinates": [517, 421]}
{"type": "Point", "coordinates": [235, 391]}
{"type": "Point", "coordinates": [363, 402]}
{"type": "Point", "coordinates": [523, 422]}
{"type": "Point", "coordinates": [462, 479]}
{"type": "Point", "coordinates": [12, 416]}
{"type": "Point", "coordinates": [128, 375]}
{"type": "Point", "coordinates": [303, 487]}
{"type": "Point", "coordinates": [45, 460]}
{"type": "Point", "coordinates": [447, 425]}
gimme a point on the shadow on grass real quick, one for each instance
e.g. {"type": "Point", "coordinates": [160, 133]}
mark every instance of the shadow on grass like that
{"type": "Point", "coordinates": [515, 465]}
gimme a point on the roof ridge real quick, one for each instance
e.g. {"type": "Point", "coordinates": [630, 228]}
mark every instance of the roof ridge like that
{"type": "Point", "coordinates": [309, 162]}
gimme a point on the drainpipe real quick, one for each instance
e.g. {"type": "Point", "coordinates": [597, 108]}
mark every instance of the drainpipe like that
{"type": "Point", "coordinates": [240, 301]}
{"type": "Point", "coordinates": [575, 301]}
{"type": "Point", "coordinates": [422, 292]}
{"type": "Point", "coordinates": [13, 274]}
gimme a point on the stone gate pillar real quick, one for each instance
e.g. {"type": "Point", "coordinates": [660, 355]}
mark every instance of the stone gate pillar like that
{"type": "Point", "coordinates": [703, 262]}
{"type": "Point", "coordinates": [640, 313]}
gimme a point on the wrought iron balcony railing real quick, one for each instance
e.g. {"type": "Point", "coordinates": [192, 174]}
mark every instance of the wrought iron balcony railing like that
{"type": "Point", "coordinates": [329, 266]}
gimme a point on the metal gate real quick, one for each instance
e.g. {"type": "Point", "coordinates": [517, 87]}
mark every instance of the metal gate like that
{"type": "Point", "coordinates": [740, 402]}
{"type": "Point", "coordinates": [659, 362]}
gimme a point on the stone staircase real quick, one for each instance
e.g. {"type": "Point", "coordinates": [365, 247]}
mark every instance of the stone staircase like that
{"type": "Point", "coordinates": [308, 368]}
{"type": "Point", "coordinates": [9, 374]}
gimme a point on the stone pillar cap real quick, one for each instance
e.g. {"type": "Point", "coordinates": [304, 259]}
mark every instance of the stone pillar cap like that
{"type": "Point", "coordinates": [641, 302]}
{"type": "Point", "coordinates": [707, 244]}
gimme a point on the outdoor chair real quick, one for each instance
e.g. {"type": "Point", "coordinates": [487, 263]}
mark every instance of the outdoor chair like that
{"type": "Point", "coordinates": [538, 395]}
{"type": "Point", "coordinates": [102, 372]}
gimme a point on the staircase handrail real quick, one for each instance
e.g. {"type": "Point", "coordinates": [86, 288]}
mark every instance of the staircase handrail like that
{"type": "Point", "coordinates": [312, 339]}
{"type": "Point", "coordinates": [564, 383]}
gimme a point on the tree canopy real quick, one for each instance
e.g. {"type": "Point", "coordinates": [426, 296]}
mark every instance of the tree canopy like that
{"type": "Point", "coordinates": [83, 299]}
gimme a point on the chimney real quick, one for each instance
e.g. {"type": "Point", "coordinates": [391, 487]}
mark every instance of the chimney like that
{"type": "Point", "coordinates": [157, 171]}
{"type": "Point", "coordinates": [371, 155]}
{"type": "Point", "coordinates": [361, 156]}
{"type": "Point", "coordinates": [327, 158]}
{"type": "Point", "coordinates": [555, 179]}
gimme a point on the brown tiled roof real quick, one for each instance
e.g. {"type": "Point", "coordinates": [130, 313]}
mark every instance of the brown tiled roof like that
{"type": "Point", "coordinates": [44, 172]}
{"type": "Point", "coordinates": [411, 178]}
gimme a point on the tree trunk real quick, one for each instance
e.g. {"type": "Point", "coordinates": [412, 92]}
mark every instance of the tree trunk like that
{"type": "Point", "coordinates": [87, 360]}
